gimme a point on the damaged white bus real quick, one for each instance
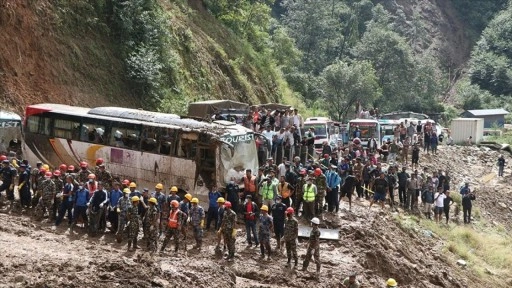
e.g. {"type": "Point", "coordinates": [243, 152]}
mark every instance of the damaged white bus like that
{"type": "Point", "coordinates": [142, 146]}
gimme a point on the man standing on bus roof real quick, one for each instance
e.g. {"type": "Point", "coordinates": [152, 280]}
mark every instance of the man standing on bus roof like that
{"type": "Point", "coordinates": [8, 176]}
{"type": "Point", "coordinates": [83, 174]}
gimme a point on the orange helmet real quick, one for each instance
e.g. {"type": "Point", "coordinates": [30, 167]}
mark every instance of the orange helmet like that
{"type": "Point", "coordinates": [99, 161]}
{"type": "Point", "coordinates": [227, 204]}
{"type": "Point", "coordinates": [63, 167]}
{"type": "Point", "coordinates": [318, 172]}
{"type": "Point", "coordinates": [71, 168]}
{"type": "Point", "coordinates": [42, 170]}
{"type": "Point", "coordinates": [126, 182]}
{"type": "Point", "coordinates": [290, 210]}
{"type": "Point", "coordinates": [3, 157]}
{"type": "Point", "coordinates": [175, 203]}
{"type": "Point", "coordinates": [91, 176]}
{"type": "Point", "coordinates": [56, 173]}
{"type": "Point", "coordinates": [83, 164]}
{"type": "Point", "coordinates": [48, 174]}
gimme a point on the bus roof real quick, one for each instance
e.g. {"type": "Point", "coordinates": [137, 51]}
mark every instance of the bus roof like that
{"type": "Point", "coordinates": [8, 115]}
{"type": "Point", "coordinates": [317, 120]}
{"type": "Point", "coordinates": [364, 120]}
{"type": "Point", "coordinates": [137, 116]}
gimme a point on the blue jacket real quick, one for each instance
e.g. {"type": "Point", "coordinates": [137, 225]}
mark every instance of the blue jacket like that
{"type": "Point", "coordinates": [332, 179]}
{"type": "Point", "coordinates": [82, 197]}
{"type": "Point", "coordinates": [213, 196]}
{"type": "Point", "coordinates": [115, 195]}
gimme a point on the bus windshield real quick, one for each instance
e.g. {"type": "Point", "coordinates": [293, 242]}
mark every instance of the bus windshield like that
{"type": "Point", "coordinates": [320, 129]}
{"type": "Point", "coordinates": [366, 130]}
{"type": "Point", "coordinates": [241, 156]}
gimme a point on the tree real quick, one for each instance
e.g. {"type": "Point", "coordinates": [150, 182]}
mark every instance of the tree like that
{"type": "Point", "coordinates": [343, 85]}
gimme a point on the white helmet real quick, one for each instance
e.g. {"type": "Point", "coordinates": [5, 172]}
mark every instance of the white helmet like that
{"type": "Point", "coordinates": [100, 131]}
{"type": "Point", "coordinates": [315, 221]}
{"type": "Point", "coordinates": [118, 134]}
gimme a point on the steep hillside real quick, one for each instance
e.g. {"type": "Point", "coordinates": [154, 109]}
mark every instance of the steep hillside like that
{"type": "Point", "coordinates": [70, 52]}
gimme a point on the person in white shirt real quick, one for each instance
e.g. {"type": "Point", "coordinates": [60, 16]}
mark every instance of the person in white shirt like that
{"type": "Point", "coordinates": [439, 202]}
{"type": "Point", "coordinates": [281, 169]}
{"type": "Point", "coordinates": [297, 120]}
{"type": "Point", "coordinates": [269, 134]}
{"type": "Point", "coordinates": [289, 143]}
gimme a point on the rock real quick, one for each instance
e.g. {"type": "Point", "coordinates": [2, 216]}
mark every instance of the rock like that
{"type": "Point", "coordinates": [129, 262]}
{"type": "Point", "coordinates": [159, 282]}
{"type": "Point", "coordinates": [461, 262]}
{"type": "Point", "coordinates": [489, 271]}
{"type": "Point", "coordinates": [19, 278]}
{"type": "Point", "coordinates": [503, 205]}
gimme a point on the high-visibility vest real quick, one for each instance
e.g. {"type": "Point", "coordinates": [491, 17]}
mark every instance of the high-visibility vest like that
{"type": "Point", "coordinates": [309, 193]}
{"type": "Point", "coordinates": [268, 191]}
{"type": "Point", "coordinates": [173, 219]}
{"type": "Point", "coordinates": [249, 184]}
{"type": "Point", "coordinates": [285, 190]}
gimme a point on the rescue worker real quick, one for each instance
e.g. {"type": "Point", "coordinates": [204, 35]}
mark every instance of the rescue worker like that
{"type": "Point", "coordinates": [333, 181]}
{"type": "Point", "coordinates": [133, 223]}
{"type": "Point", "coordinates": [321, 187]}
{"type": "Point", "coordinates": [113, 199]}
{"type": "Point", "coordinates": [185, 208]}
{"type": "Point", "coordinates": [176, 219]}
{"type": "Point", "coordinates": [291, 233]}
{"type": "Point", "coordinates": [151, 220]}
{"type": "Point", "coordinates": [265, 228]}
{"type": "Point", "coordinates": [268, 192]}
{"type": "Point", "coordinates": [67, 202]}
{"type": "Point", "coordinates": [145, 201]}
{"type": "Point", "coordinates": [250, 184]}
{"type": "Point", "coordinates": [47, 188]}
{"type": "Point", "coordinates": [59, 186]}
{"type": "Point", "coordinates": [309, 196]}
{"type": "Point", "coordinates": [285, 190]}
{"type": "Point", "coordinates": [163, 207]}
{"type": "Point", "coordinates": [228, 229]}
{"type": "Point", "coordinates": [197, 220]}
{"type": "Point", "coordinates": [34, 175]}
{"type": "Point", "coordinates": [99, 162]}
{"type": "Point", "coordinates": [250, 211]}
{"type": "Point", "coordinates": [299, 190]}
{"type": "Point", "coordinates": [96, 208]}
{"type": "Point", "coordinates": [82, 198]}
{"type": "Point", "coordinates": [313, 247]}
{"type": "Point", "coordinates": [213, 208]}
{"type": "Point", "coordinates": [9, 174]}
{"type": "Point", "coordinates": [220, 216]}
{"type": "Point", "coordinates": [135, 192]}
{"type": "Point", "coordinates": [92, 184]}
{"type": "Point", "coordinates": [278, 215]}
{"type": "Point", "coordinates": [84, 173]}
{"type": "Point", "coordinates": [24, 187]}
{"type": "Point", "coordinates": [123, 206]}
{"type": "Point", "coordinates": [104, 176]}
{"type": "Point", "coordinates": [232, 195]}
{"type": "Point", "coordinates": [39, 192]}
{"type": "Point", "coordinates": [63, 168]}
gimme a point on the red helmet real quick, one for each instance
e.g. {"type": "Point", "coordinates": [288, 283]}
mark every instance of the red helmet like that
{"type": "Point", "coordinates": [48, 174]}
{"type": "Point", "coordinates": [227, 204]}
{"type": "Point", "coordinates": [99, 161]}
{"type": "Point", "coordinates": [326, 155]}
{"type": "Point", "coordinates": [3, 157]}
{"type": "Point", "coordinates": [42, 170]}
{"type": "Point", "coordinates": [56, 173]}
{"type": "Point", "coordinates": [63, 167]}
{"type": "Point", "coordinates": [318, 172]}
{"type": "Point", "coordinates": [303, 171]}
{"type": "Point", "coordinates": [126, 182]}
{"type": "Point", "coordinates": [175, 203]}
{"type": "Point", "coordinates": [290, 210]}
{"type": "Point", "coordinates": [91, 176]}
{"type": "Point", "coordinates": [71, 168]}
{"type": "Point", "coordinates": [83, 164]}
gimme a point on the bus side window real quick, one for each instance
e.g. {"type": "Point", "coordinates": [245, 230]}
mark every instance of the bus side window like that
{"type": "Point", "coordinates": [149, 137]}
{"type": "Point", "coordinates": [166, 139]}
{"type": "Point", "coordinates": [125, 136]}
{"type": "Point", "coordinates": [33, 124]}
{"type": "Point", "coordinates": [65, 129]}
{"type": "Point", "coordinates": [92, 133]}
{"type": "Point", "coordinates": [187, 145]}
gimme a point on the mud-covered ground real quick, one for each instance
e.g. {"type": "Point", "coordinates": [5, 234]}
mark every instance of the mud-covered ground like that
{"type": "Point", "coordinates": [36, 254]}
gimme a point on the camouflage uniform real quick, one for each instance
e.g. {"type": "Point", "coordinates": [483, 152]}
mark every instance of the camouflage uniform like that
{"type": "Point", "coordinates": [291, 232]}
{"type": "Point", "coordinates": [59, 185]}
{"type": "Point", "coordinates": [321, 186]}
{"type": "Point", "coordinates": [174, 232]}
{"type": "Point", "coordinates": [34, 173]}
{"type": "Point", "coordinates": [106, 178]}
{"type": "Point", "coordinates": [196, 216]}
{"type": "Point", "coordinates": [38, 192]}
{"type": "Point", "coordinates": [124, 204]}
{"type": "Point", "coordinates": [83, 175]}
{"type": "Point", "coordinates": [47, 188]}
{"type": "Point", "coordinates": [314, 241]}
{"type": "Point", "coordinates": [151, 221]}
{"type": "Point", "coordinates": [299, 192]}
{"type": "Point", "coordinates": [227, 225]}
{"type": "Point", "coordinates": [265, 227]}
{"type": "Point", "coordinates": [133, 226]}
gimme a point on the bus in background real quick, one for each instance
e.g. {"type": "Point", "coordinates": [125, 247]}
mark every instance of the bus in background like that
{"type": "Point", "coordinates": [364, 129]}
{"type": "Point", "coordinates": [387, 129]}
{"type": "Point", "coordinates": [142, 146]}
{"type": "Point", "coordinates": [325, 130]}
{"type": "Point", "coordinates": [10, 132]}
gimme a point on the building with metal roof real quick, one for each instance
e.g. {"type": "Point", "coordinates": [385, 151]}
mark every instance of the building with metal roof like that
{"type": "Point", "coordinates": [492, 117]}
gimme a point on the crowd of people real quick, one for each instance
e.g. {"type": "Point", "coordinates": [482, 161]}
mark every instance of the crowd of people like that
{"type": "Point", "coordinates": [270, 201]}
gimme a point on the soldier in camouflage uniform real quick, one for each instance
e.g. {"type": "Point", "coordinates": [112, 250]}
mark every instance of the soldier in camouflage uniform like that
{"type": "Point", "coordinates": [47, 188]}
{"type": "Point", "coordinates": [105, 177]}
{"type": "Point", "coordinates": [123, 206]}
{"type": "Point", "coordinates": [34, 175]}
{"type": "Point", "coordinates": [83, 174]}
{"type": "Point", "coordinates": [133, 226]}
{"type": "Point", "coordinates": [228, 229]}
{"type": "Point", "coordinates": [291, 233]}
{"type": "Point", "coordinates": [314, 244]}
{"type": "Point", "coordinates": [299, 190]}
{"type": "Point", "coordinates": [59, 185]}
{"type": "Point", "coordinates": [151, 220]}
{"type": "Point", "coordinates": [38, 192]}
{"type": "Point", "coordinates": [321, 186]}
{"type": "Point", "coordinates": [197, 220]}
{"type": "Point", "coordinates": [176, 219]}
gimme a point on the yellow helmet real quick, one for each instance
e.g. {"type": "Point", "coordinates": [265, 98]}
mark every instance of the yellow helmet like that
{"type": "Point", "coordinates": [264, 208]}
{"type": "Point", "coordinates": [174, 189]}
{"type": "Point", "coordinates": [391, 282]}
{"type": "Point", "coordinates": [221, 200]}
{"type": "Point", "coordinates": [188, 197]}
{"type": "Point", "coordinates": [153, 200]}
{"type": "Point", "coordinates": [135, 199]}
{"type": "Point", "coordinates": [133, 185]}
{"type": "Point", "coordinates": [126, 190]}
{"type": "Point", "coordinates": [45, 166]}
{"type": "Point", "coordinates": [194, 200]}
{"type": "Point", "coordinates": [159, 186]}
